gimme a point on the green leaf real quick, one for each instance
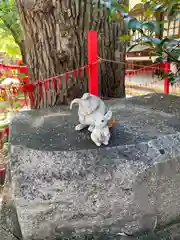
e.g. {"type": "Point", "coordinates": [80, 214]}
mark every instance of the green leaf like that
{"type": "Point", "coordinates": [155, 41]}
{"type": "Point", "coordinates": [139, 6]}
{"type": "Point", "coordinates": [125, 7]}
{"type": "Point", "coordinates": [113, 10]}
{"type": "Point", "coordinates": [147, 43]}
{"type": "Point", "coordinates": [132, 46]}
{"type": "Point", "coordinates": [21, 75]}
{"type": "Point", "coordinates": [134, 24]}
{"type": "Point", "coordinates": [125, 38]}
{"type": "Point", "coordinates": [174, 54]}
{"type": "Point", "coordinates": [151, 41]}
{"type": "Point", "coordinates": [172, 82]}
{"type": "Point", "coordinates": [17, 104]}
{"type": "Point", "coordinates": [160, 59]}
{"type": "Point", "coordinates": [152, 26]}
{"type": "Point", "coordinates": [3, 125]}
{"type": "Point", "coordinates": [157, 7]}
{"type": "Point", "coordinates": [171, 7]}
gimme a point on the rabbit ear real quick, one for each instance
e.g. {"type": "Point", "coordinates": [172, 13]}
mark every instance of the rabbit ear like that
{"type": "Point", "coordinates": [86, 96]}
{"type": "Point", "coordinates": [108, 115]}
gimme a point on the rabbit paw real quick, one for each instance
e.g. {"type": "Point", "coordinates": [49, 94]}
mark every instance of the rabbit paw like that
{"type": "Point", "coordinates": [90, 128]}
{"type": "Point", "coordinates": [98, 144]}
{"type": "Point", "coordinates": [79, 127]}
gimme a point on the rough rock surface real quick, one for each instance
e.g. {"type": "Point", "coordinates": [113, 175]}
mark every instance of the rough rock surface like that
{"type": "Point", "coordinates": [64, 185]}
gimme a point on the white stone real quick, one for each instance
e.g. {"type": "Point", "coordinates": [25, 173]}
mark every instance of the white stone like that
{"type": "Point", "coordinates": [90, 107]}
{"type": "Point", "coordinates": [101, 134]}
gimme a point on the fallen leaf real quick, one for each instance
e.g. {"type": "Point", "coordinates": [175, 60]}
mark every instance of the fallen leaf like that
{"type": "Point", "coordinates": [111, 123]}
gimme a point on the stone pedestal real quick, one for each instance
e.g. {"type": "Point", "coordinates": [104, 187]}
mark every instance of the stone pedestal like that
{"type": "Point", "coordinates": [64, 185]}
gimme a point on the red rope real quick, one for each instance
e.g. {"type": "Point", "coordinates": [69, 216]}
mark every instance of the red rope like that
{"type": "Point", "coordinates": [55, 81]}
{"type": "Point", "coordinates": [144, 69]}
{"type": "Point", "coordinates": [75, 72]}
{"type": "Point", "coordinates": [13, 67]}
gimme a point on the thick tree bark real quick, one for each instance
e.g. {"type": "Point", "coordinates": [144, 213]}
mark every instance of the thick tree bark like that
{"type": "Point", "coordinates": [56, 42]}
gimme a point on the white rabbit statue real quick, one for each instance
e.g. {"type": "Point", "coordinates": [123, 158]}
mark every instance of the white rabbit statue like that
{"type": "Point", "coordinates": [101, 134]}
{"type": "Point", "coordinates": [90, 106]}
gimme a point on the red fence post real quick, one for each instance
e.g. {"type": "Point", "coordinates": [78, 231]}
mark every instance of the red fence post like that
{"type": "Point", "coordinates": [92, 62]}
{"type": "Point", "coordinates": [166, 80]}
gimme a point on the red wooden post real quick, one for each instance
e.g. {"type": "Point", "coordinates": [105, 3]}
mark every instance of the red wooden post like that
{"type": "Point", "coordinates": [92, 62]}
{"type": "Point", "coordinates": [166, 80]}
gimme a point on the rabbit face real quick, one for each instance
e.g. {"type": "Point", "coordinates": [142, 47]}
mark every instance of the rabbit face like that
{"type": "Point", "coordinates": [102, 121]}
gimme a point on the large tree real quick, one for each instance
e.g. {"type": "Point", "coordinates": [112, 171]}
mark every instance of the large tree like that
{"type": "Point", "coordinates": [56, 41]}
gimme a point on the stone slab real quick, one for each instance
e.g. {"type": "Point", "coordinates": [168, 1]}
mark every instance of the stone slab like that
{"type": "Point", "coordinates": [64, 185]}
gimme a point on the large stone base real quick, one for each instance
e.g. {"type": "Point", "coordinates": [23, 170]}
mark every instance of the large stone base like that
{"type": "Point", "coordinates": [64, 185]}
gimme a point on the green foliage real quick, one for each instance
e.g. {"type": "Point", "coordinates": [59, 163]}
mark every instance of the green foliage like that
{"type": "Point", "coordinates": [8, 45]}
{"type": "Point", "coordinates": [10, 29]}
{"type": "Point", "coordinates": [3, 125]}
{"type": "Point", "coordinates": [165, 48]}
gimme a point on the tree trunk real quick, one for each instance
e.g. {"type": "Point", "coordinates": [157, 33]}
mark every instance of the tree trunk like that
{"type": "Point", "coordinates": [23, 51]}
{"type": "Point", "coordinates": [56, 42]}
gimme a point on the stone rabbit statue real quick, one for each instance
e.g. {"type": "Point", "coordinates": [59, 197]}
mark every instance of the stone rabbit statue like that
{"type": "Point", "coordinates": [101, 134]}
{"type": "Point", "coordinates": [90, 106]}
